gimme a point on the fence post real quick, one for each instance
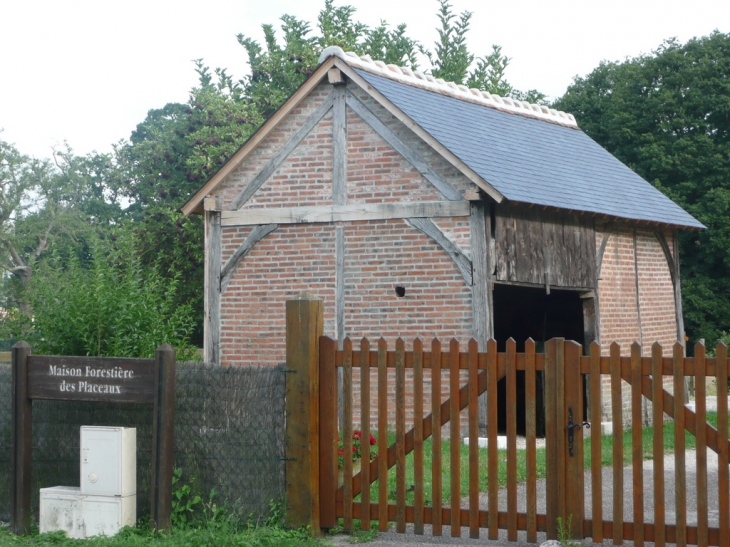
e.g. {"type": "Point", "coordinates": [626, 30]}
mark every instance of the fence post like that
{"type": "Point", "coordinates": [163, 439]}
{"type": "Point", "coordinates": [304, 326]}
{"type": "Point", "coordinates": [22, 432]}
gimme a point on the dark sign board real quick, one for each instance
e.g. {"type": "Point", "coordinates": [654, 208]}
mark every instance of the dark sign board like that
{"type": "Point", "coordinates": [102, 379]}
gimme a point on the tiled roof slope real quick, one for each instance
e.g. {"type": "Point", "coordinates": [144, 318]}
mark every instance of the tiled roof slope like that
{"type": "Point", "coordinates": [531, 160]}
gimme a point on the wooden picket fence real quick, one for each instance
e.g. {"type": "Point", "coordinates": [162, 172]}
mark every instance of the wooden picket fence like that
{"type": "Point", "coordinates": [564, 366]}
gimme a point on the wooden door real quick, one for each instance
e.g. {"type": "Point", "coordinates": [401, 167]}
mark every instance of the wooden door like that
{"type": "Point", "coordinates": [564, 445]}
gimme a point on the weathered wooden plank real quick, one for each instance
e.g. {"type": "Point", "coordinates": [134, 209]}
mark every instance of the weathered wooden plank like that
{"type": "Point", "coordinates": [441, 184]}
{"type": "Point", "coordinates": [328, 434]}
{"type": "Point", "coordinates": [596, 456]}
{"type": "Point", "coordinates": [103, 379]}
{"type": "Point", "coordinates": [618, 445]}
{"type": "Point", "coordinates": [530, 438]}
{"type": "Point", "coordinates": [163, 439]}
{"type": "Point", "coordinates": [347, 432]}
{"type": "Point", "coordinates": [492, 453]}
{"type": "Point", "coordinates": [21, 442]}
{"type": "Point", "coordinates": [345, 213]}
{"type": "Point", "coordinates": [455, 436]}
{"type": "Point", "coordinates": [473, 439]}
{"type": "Point", "coordinates": [365, 426]}
{"type": "Point", "coordinates": [382, 432]}
{"type": "Point", "coordinates": [552, 233]}
{"type": "Point", "coordinates": [400, 437]}
{"type": "Point", "coordinates": [212, 316]}
{"type": "Point", "coordinates": [256, 235]}
{"type": "Point", "coordinates": [481, 277]}
{"type": "Point", "coordinates": [561, 412]}
{"type": "Point", "coordinates": [304, 325]}
{"type": "Point", "coordinates": [723, 471]}
{"type": "Point", "coordinates": [526, 241]}
{"type": "Point", "coordinates": [489, 260]}
{"type": "Point", "coordinates": [283, 153]}
{"type": "Point", "coordinates": [427, 227]}
{"type": "Point", "coordinates": [658, 444]}
{"type": "Point", "coordinates": [339, 146]}
{"type": "Point", "coordinates": [701, 446]}
{"type": "Point", "coordinates": [436, 465]}
{"type": "Point", "coordinates": [637, 450]}
{"type": "Point", "coordinates": [418, 490]}
{"type": "Point", "coordinates": [680, 473]}
{"type": "Point", "coordinates": [552, 430]}
{"type": "Point", "coordinates": [511, 399]}
{"type": "Point", "coordinates": [340, 282]}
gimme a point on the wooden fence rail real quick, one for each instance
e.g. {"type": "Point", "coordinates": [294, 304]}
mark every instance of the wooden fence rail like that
{"type": "Point", "coordinates": [465, 373]}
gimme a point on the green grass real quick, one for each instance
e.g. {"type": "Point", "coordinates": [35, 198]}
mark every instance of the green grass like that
{"type": "Point", "coordinates": [223, 534]}
{"type": "Point", "coordinates": [606, 453]}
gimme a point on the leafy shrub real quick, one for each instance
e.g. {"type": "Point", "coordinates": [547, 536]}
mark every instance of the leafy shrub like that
{"type": "Point", "coordinates": [106, 304]}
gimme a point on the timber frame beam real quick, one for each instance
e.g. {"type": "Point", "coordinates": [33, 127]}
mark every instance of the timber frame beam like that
{"type": "Point", "coordinates": [300, 134]}
{"type": "Point", "coordinates": [345, 213]}
{"type": "Point", "coordinates": [256, 235]}
{"type": "Point", "coordinates": [427, 227]}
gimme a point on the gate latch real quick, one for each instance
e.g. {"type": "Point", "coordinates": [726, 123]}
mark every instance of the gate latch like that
{"type": "Point", "coordinates": [571, 427]}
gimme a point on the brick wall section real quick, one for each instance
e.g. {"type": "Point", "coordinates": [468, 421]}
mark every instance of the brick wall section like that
{"type": "Point", "coordinates": [381, 255]}
{"type": "Point", "coordinates": [289, 261]}
{"type": "Point", "coordinates": [312, 160]}
{"type": "Point", "coordinates": [618, 311]}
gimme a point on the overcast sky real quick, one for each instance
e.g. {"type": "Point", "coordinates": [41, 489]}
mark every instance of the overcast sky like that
{"type": "Point", "coordinates": [87, 71]}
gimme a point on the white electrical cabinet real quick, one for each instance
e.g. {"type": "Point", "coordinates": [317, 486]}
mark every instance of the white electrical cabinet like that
{"type": "Point", "coordinates": [81, 515]}
{"type": "Point", "coordinates": [109, 461]}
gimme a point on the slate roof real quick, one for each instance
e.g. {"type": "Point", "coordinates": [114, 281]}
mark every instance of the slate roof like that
{"type": "Point", "coordinates": [530, 160]}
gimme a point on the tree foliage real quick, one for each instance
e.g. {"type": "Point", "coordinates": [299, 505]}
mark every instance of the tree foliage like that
{"type": "Point", "coordinates": [110, 305]}
{"type": "Point", "coordinates": [43, 204]}
{"type": "Point", "coordinates": [667, 116]}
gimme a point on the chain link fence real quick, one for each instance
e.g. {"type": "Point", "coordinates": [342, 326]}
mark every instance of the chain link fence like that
{"type": "Point", "coordinates": [229, 436]}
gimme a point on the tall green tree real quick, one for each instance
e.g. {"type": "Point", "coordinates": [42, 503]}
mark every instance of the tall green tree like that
{"type": "Point", "coordinates": [667, 116]}
{"type": "Point", "coordinates": [43, 205]}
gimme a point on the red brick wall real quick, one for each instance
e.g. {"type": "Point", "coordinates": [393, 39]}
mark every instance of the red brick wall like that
{"type": "Point", "coordinates": [619, 318]}
{"type": "Point", "coordinates": [291, 260]}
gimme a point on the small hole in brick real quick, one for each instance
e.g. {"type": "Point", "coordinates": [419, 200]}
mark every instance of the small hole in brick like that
{"type": "Point", "coordinates": [400, 291]}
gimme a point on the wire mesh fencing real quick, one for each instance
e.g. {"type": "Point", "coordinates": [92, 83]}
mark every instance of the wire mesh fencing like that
{"type": "Point", "coordinates": [229, 437]}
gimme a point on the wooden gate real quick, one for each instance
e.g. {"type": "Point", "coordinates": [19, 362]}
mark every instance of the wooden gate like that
{"type": "Point", "coordinates": [568, 471]}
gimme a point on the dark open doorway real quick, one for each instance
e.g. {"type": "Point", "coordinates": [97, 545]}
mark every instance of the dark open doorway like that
{"type": "Point", "coordinates": [526, 312]}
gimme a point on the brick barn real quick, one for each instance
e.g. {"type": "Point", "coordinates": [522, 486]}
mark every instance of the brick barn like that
{"type": "Point", "coordinates": [416, 207]}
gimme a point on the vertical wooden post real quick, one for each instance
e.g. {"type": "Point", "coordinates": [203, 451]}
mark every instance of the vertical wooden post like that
{"type": "Point", "coordinates": [327, 422]}
{"type": "Point", "coordinates": [553, 352]}
{"type": "Point", "coordinates": [20, 465]}
{"type": "Point", "coordinates": [480, 227]}
{"type": "Point", "coordinates": [163, 438]}
{"type": "Point", "coordinates": [212, 315]}
{"type": "Point", "coordinates": [304, 326]}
